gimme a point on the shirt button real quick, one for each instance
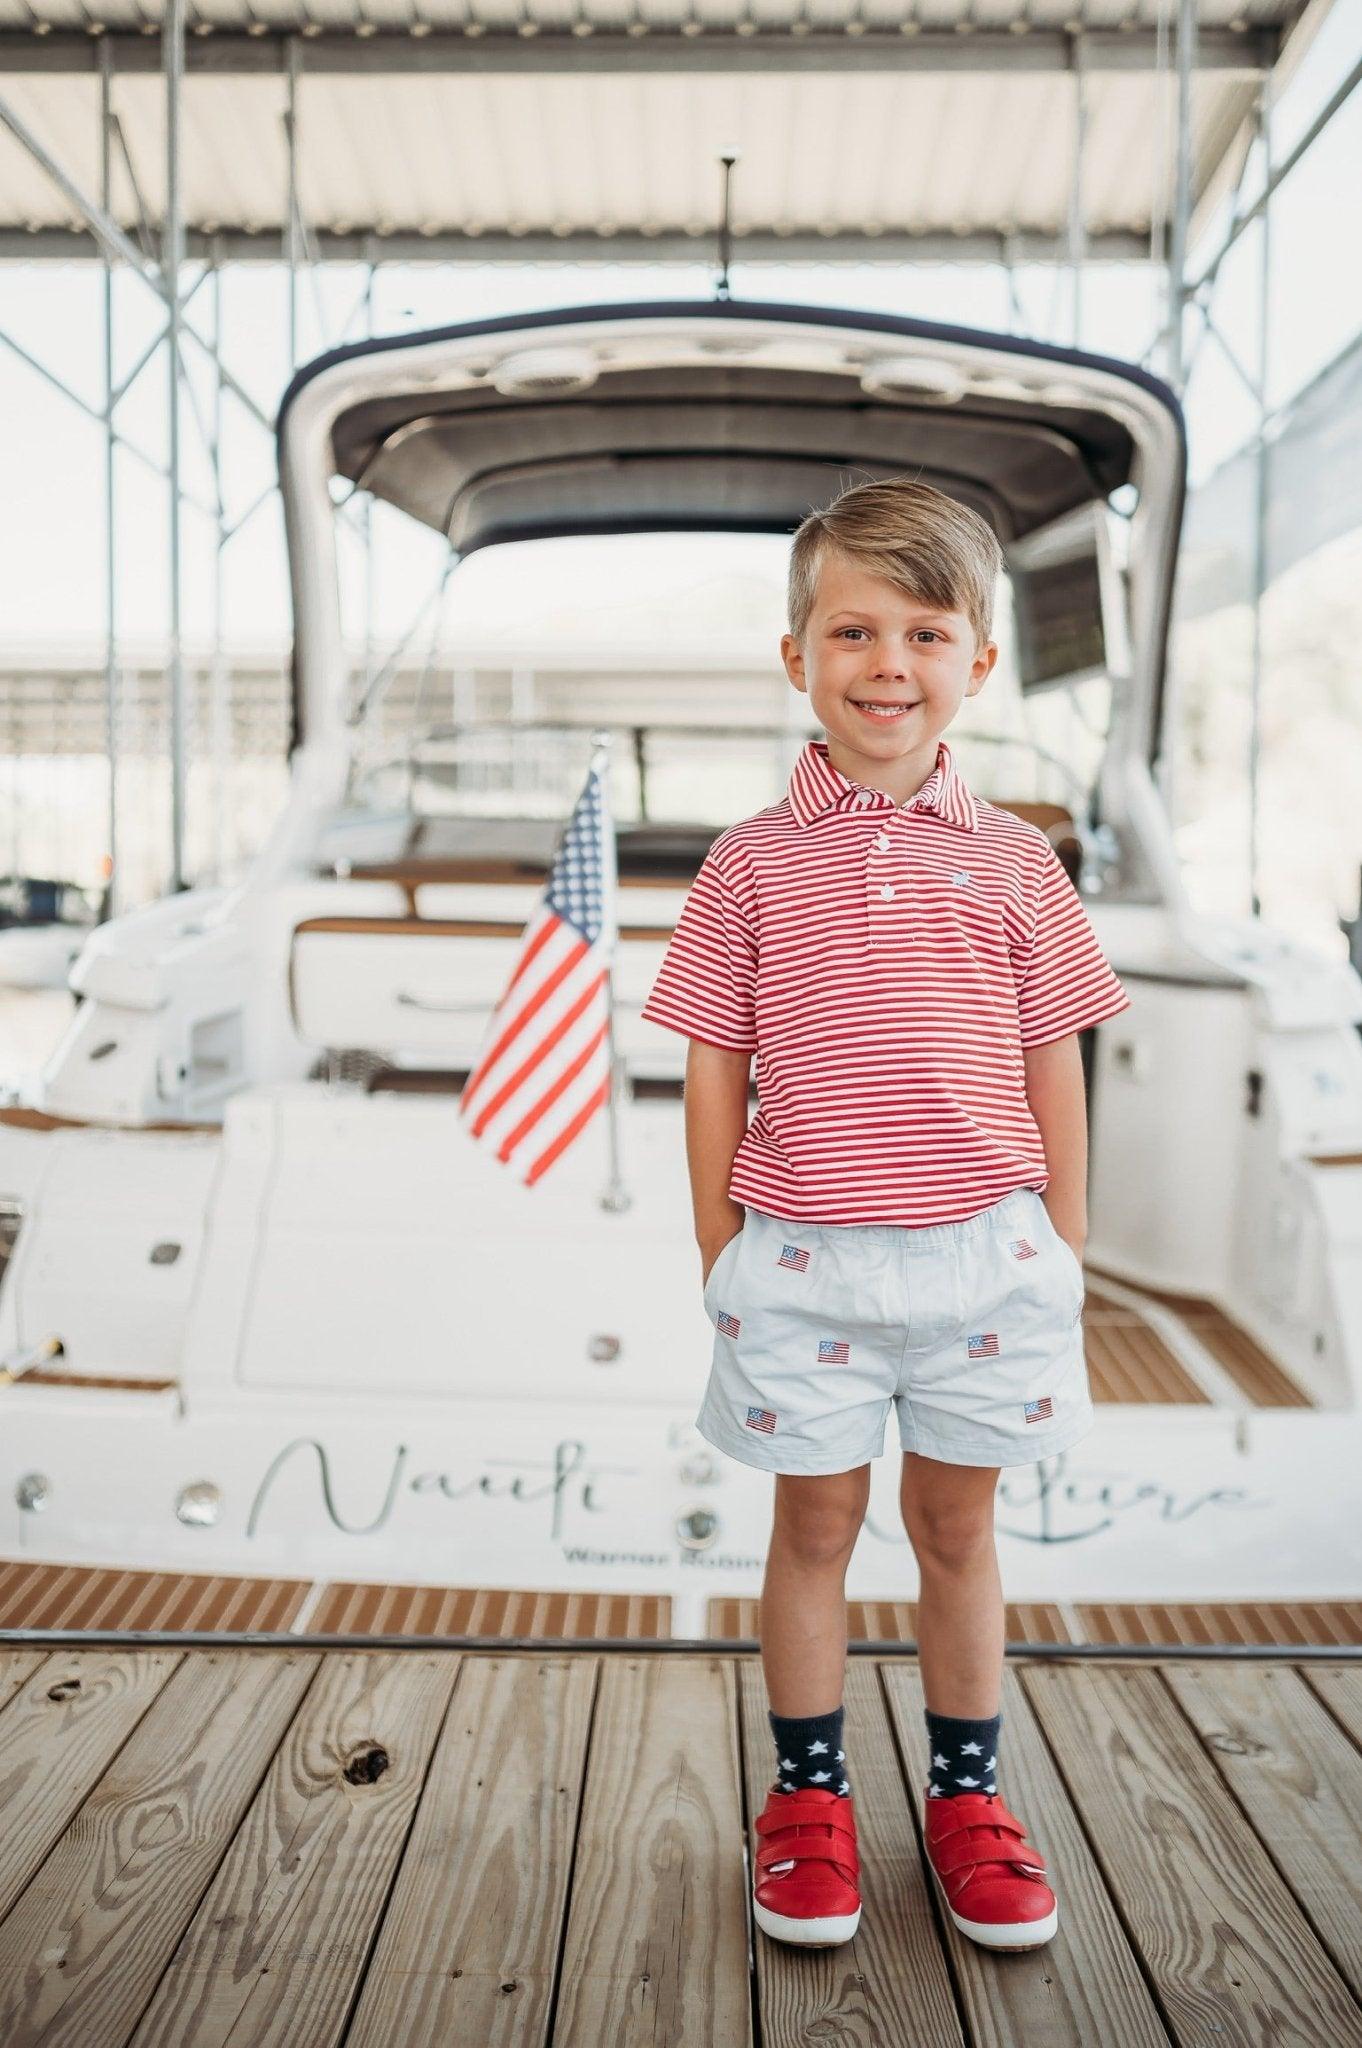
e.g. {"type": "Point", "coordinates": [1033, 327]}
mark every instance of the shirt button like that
{"type": "Point", "coordinates": [882, 842]}
{"type": "Point", "coordinates": [886, 890]}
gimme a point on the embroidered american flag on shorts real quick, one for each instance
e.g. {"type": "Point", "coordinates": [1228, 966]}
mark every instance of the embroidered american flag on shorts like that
{"type": "Point", "coordinates": [833, 1351]}
{"type": "Point", "coordinates": [1038, 1411]}
{"type": "Point", "coordinates": [730, 1325]}
{"type": "Point", "coordinates": [985, 1346]}
{"type": "Point", "coordinates": [762, 1419]}
{"type": "Point", "coordinates": [1022, 1248]}
{"type": "Point", "coordinates": [795, 1257]}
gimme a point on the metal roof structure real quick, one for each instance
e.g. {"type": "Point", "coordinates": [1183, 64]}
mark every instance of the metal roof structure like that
{"type": "Point", "coordinates": [532, 129]}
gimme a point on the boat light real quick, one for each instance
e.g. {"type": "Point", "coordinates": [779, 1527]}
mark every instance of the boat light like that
{"type": "Point", "coordinates": [913, 377]}
{"type": "Point", "coordinates": [33, 1492]}
{"type": "Point", "coordinates": [544, 372]}
{"type": "Point", "coordinates": [199, 1504]}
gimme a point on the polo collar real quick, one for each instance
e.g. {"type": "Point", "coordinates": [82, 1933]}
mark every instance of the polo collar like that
{"type": "Point", "coordinates": [816, 786]}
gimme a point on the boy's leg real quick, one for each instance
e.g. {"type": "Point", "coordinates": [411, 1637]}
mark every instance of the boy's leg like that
{"type": "Point", "coordinates": [814, 1528]}
{"type": "Point", "coordinates": [948, 1514]}
{"type": "Point", "coordinates": [804, 1623]}
{"type": "Point", "coordinates": [992, 1879]}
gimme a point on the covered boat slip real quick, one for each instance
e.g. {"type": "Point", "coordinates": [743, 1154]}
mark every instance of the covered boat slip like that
{"type": "Point", "coordinates": [255, 1845]}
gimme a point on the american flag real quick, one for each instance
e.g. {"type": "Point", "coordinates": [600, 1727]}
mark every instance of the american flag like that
{"type": "Point", "coordinates": [795, 1257]}
{"type": "Point", "coordinates": [833, 1351]}
{"type": "Point", "coordinates": [985, 1346]}
{"type": "Point", "coordinates": [1022, 1248]}
{"type": "Point", "coordinates": [544, 1068]}
{"type": "Point", "coordinates": [730, 1325]}
{"type": "Point", "coordinates": [1039, 1411]}
{"type": "Point", "coordinates": [762, 1419]}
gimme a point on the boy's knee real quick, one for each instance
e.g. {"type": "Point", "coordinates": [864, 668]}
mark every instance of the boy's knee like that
{"type": "Point", "coordinates": [819, 1517]}
{"type": "Point", "coordinates": [950, 1538]}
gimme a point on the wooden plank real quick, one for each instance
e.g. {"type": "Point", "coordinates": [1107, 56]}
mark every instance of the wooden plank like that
{"type": "Point", "coordinates": [70, 1718]}
{"type": "Point", "coordinates": [656, 1947]}
{"type": "Point", "coordinates": [1340, 1688]}
{"type": "Point", "coordinates": [889, 1984]}
{"type": "Point", "coordinates": [1085, 1986]}
{"type": "Point", "coordinates": [275, 1951]}
{"type": "Point", "coordinates": [84, 1947]}
{"type": "Point", "coordinates": [470, 1942]}
{"type": "Point", "coordinates": [1221, 1935]}
{"type": "Point", "coordinates": [15, 1667]}
{"type": "Point", "coordinates": [1299, 1780]}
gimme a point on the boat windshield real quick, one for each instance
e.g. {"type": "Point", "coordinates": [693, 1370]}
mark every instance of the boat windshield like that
{"type": "Point", "coordinates": [461, 721]}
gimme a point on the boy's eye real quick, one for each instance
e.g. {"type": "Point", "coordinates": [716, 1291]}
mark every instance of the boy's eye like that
{"type": "Point", "coordinates": [930, 632]}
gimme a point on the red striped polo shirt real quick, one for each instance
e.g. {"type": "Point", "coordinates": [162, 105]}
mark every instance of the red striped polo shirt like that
{"type": "Point", "coordinates": [886, 963]}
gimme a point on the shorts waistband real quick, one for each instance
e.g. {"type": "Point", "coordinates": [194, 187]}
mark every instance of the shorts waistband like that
{"type": "Point", "coordinates": [1014, 1208]}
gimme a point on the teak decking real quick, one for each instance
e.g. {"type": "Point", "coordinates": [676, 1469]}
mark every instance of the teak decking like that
{"type": "Point", "coordinates": [300, 1847]}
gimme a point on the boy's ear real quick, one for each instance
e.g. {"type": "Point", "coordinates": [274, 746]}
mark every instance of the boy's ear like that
{"type": "Point", "coordinates": [794, 661]}
{"type": "Point", "coordinates": [982, 666]}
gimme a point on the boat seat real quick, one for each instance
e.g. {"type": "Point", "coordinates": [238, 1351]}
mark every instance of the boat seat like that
{"type": "Point", "coordinates": [669, 866]}
{"type": "Point", "coordinates": [409, 984]}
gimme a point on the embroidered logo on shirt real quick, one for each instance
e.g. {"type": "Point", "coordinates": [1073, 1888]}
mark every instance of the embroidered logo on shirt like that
{"type": "Point", "coordinates": [1038, 1411]}
{"type": "Point", "coordinates": [1022, 1248]}
{"type": "Point", "coordinates": [833, 1351]}
{"type": "Point", "coordinates": [794, 1257]}
{"type": "Point", "coordinates": [762, 1419]}
{"type": "Point", "coordinates": [985, 1346]}
{"type": "Point", "coordinates": [730, 1325]}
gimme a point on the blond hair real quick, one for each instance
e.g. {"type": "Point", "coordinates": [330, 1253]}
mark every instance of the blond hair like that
{"type": "Point", "coordinates": [931, 547]}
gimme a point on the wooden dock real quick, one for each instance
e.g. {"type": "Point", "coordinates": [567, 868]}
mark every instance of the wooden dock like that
{"type": "Point", "coordinates": [299, 1846]}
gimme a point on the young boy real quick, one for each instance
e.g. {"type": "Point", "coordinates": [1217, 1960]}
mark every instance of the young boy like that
{"type": "Point", "coordinates": [910, 966]}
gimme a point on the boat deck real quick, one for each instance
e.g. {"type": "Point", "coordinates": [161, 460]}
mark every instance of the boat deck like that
{"type": "Point", "coordinates": [39, 1600]}
{"type": "Point", "coordinates": [288, 1845]}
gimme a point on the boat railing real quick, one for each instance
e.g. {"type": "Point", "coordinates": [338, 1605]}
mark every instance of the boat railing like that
{"type": "Point", "coordinates": [540, 758]}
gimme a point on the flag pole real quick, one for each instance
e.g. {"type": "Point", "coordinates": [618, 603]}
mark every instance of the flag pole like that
{"type": "Point", "coordinates": [616, 1198]}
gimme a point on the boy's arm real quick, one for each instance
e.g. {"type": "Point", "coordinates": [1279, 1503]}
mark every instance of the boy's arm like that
{"type": "Point", "coordinates": [1054, 1091]}
{"type": "Point", "coordinates": [716, 1119]}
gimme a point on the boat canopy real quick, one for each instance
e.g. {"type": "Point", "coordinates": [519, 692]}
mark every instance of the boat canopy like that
{"type": "Point", "coordinates": [733, 439]}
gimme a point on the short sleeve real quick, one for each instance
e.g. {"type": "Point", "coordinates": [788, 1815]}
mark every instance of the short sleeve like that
{"type": "Point", "coordinates": [1064, 982]}
{"type": "Point", "coordinates": [706, 985]}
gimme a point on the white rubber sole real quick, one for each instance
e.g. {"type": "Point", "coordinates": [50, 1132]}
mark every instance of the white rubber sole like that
{"type": "Point", "coordinates": [828, 1932]}
{"type": "Point", "coordinates": [1021, 1934]}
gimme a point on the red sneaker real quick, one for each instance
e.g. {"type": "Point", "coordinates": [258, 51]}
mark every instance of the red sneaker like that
{"type": "Point", "coordinates": [807, 1883]}
{"type": "Point", "coordinates": [991, 1879]}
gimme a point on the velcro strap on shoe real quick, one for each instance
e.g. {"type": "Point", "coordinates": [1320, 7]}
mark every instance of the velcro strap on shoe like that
{"type": "Point", "coordinates": [779, 1859]}
{"type": "Point", "coordinates": [973, 1846]}
{"type": "Point", "coordinates": [794, 1812]}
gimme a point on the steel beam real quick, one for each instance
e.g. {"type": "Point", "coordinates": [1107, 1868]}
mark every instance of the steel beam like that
{"type": "Point", "coordinates": [677, 245]}
{"type": "Point", "coordinates": [1245, 52]}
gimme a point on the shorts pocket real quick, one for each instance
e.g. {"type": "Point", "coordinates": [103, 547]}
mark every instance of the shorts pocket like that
{"type": "Point", "coordinates": [1077, 1277]}
{"type": "Point", "coordinates": [722, 1266]}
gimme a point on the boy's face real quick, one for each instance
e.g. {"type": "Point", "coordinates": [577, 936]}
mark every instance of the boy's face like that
{"type": "Point", "coordinates": [867, 643]}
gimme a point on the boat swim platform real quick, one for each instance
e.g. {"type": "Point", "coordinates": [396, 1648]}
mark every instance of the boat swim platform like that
{"type": "Point", "coordinates": [235, 1846]}
{"type": "Point", "coordinates": [49, 1602]}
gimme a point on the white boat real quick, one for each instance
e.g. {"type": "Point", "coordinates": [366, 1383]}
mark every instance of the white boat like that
{"type": "Point", "coordinates": [307, 1327]}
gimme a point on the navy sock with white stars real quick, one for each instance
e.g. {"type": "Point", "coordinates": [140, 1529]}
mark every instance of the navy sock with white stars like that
{"type": "Point", "coordinates": [809, 1752]}
{"type": "Point", "coordinates": [964, 1755]}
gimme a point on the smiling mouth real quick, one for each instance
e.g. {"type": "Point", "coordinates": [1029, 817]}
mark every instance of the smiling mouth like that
{"type": "Point", "coordinates": [885, 711]}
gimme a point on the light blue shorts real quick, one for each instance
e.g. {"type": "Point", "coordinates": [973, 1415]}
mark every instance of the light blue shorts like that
{"type": "Point", "coordinates": [973, 1330]}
